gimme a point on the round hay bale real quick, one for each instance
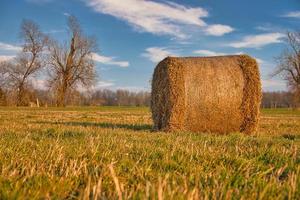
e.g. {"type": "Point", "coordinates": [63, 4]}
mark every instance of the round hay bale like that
{"type": "Point", "coordinates": [206, 94]}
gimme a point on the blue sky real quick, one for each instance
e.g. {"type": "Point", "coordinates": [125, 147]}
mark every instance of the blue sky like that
{"type": "Point", "coordinates": [133, 35]}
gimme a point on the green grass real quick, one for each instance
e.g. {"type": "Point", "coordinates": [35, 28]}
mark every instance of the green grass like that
{"type": "Point", "coordinates": [284, 111]}
{"type": "Point", "coordinates": [111, 152]}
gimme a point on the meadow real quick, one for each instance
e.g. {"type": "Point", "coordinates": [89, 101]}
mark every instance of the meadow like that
{"type": "Point", "coordinates": [112, 153]}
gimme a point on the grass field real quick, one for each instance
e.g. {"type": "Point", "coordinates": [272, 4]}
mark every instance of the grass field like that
{"type": "Point", "coordinates": [111, 153]}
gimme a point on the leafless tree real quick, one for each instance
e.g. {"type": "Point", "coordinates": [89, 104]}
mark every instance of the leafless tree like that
{"type": "Point", "coordinates": [2, 74]}
{"type": "Point", "coordinates": [70, 64]}
{"type": "Point", "coordinates": [2, 93]}
{"type": "Point", "coordinates": [18, 71]}
{"type": "Point", "coordinates": [289, 62]}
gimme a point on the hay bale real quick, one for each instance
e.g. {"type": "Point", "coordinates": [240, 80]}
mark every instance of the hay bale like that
{"type": "Point", "coordinates": [206, 94]}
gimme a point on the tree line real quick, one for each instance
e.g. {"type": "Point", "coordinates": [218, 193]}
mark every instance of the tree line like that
{"type": "Point", "coordinates": [103, 97]}
{"type": "Point", "coordinates": [106, 97]}
{"type": "Point", "coordinates": [281, 99]}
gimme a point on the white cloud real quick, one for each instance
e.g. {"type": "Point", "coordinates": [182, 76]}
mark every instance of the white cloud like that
{"type": "Point", "coordinates": [293, 14]}
{"type": "Point", "coordinates": [263, 28]}
{"type": "Point", "coordinates": [99, 85]}
{"type": "Point", "coordinates": [161, 18]}
{"type": "Point", "coordinates": [218, 29]}
{"type": "Point", "coordinates": [109, 60]}
{"type": "Point", "coordinates": [156, 54]}
{"type": "Point", "coordinates": [9, 47]}
{"type": "Point", "coordinates": [39, 83]}
{"type": "Point", "coordinates": [5, 58]}
{"type": "Point", "coordinates": [133, 88]}
{"type": "Point", "coordinates": [110, 84]}
{"type": "Point", "coordinates": [257, 41]}
{"type": "Point", "coordinates": [260, 61]}
{"type": "Point", "coordinates": [54, 31]}
{"type": "Point", "coordinates": [66, 14]}
{"type": "Point", "coordinates": [270, 84]}
{"type": "Point", "coordinates": [104, 84]}
{"type": "Point", "coordinates": [205, 52]}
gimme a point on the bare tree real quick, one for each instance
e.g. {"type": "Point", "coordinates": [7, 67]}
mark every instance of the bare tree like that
{"type": "Point", "coordinates": [289, 62]}
{"type": "Point", "coordinates": [2, 74]}
{"type": "Point", "coordinates": [71, 64]}
{"type": "Point", "coordinates": [2, 93]}
{"type": "Point", "coordinates": [18, 71]}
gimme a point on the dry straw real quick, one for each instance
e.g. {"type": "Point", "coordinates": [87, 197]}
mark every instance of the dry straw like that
{"type": "Point", "coordinates": [206, 94]}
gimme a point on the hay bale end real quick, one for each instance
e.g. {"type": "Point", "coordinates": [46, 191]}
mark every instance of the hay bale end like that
{"type": "Point", "coordinates": [206, 94]}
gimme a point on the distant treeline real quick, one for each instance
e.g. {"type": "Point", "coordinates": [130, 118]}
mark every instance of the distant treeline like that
{"type": "Point", "coordinates": [103, 97]}
{"type": "Point", "coordinates": [119, 98]}
{"type": "Point", "coordinates": [108, 97]}
{"type": "Point", "coordinates": [279, 100]}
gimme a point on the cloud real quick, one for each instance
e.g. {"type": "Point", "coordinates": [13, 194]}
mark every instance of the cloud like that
{"type": "Point", "coordinates": [270, 84]}
{"type": "Point", "coordinates": [218, 29]}
{"type": "Point", "coordinates": [9, 47]}
{"type": "Point", "coordinates": [54, 31]}
{"type": "Point", "coordinates": [110, 84]}
{"type": "Point", "coordinates": [6, 58]}
{"type": "Point", "coordinates": [66, 14]}
{"type": "Point", "coordinates": [293, 14]}
{"type": "Point", "coordinates": [39, 83]}
{"type": "Point", "coordinates": [205, 52]}
{"type": "Point", "coordinates": [263, 28]}
{"type": "Point", "coordinates": [109, 60]}
{"type": "Point", "coordinates": [133, 88]}
{"type": "Point", "coordinates": [257, 41]}
{"type": "Point", "coordinates": [160, 18]}
{"type": "Point", "coordinates": [156, 54]}
{"type": "Point", "coordinates": [260, 61]}
{"type": "Point", "coordinates": [104, 84]}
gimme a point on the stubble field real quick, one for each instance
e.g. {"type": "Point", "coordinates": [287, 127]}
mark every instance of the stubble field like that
{"type": "Point", "coordinates": [112, 153]}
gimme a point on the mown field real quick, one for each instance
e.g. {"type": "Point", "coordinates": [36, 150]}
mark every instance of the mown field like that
{"type": "Point", "coordinates": [111, 153]}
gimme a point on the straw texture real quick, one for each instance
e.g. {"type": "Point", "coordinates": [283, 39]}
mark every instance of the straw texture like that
{"type": "Point", "coordinates": [206, 94]}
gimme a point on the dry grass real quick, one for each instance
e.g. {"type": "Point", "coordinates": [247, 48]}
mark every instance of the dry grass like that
{"type": "Point", "coordinates": [206, 94]}
{"type": "Point", "coordinates": [111, 153]}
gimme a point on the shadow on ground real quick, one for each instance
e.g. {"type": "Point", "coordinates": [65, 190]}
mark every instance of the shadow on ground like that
{"type": "Point", "coordinates": [134, 127]}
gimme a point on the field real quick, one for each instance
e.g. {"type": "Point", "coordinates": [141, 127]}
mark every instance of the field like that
{"type": "Point", "coordinates": [112, 153]}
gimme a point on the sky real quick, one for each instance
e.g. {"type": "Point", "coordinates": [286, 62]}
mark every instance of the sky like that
{"type": "Point", "coordinates": [134, 35]}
